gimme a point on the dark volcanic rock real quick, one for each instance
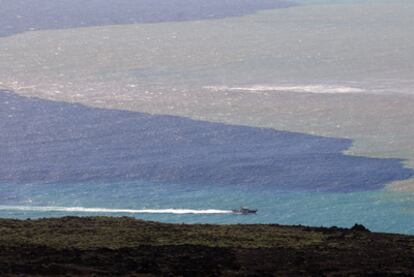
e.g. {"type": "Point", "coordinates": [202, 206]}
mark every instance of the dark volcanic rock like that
{"type": "Point", "coordinates": [360, 228]}
{"type": "Point", "coordinates": [123, 246]}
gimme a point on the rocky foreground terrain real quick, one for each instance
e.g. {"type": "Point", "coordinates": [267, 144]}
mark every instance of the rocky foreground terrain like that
{"type": "Point", "coordinates": [99, 246]}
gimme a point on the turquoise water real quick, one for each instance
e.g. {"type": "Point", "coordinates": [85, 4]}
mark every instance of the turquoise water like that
{"type": "Point", "coordinates": [380, 210]}
{"type": "Point", "coordinates": [63, 159]}
{"type": "Point", "coordinates": [59, 159]}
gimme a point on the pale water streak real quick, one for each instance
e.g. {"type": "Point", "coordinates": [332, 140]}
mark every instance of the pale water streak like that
{"type": "Point", "coordinates": [290, 88]}
{"type": "Point", "coordinates": [105, 210]}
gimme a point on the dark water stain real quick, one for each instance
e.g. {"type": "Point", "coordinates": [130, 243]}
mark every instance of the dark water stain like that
{"type": "Point", "coordinates": [43, 141]}
{"type": "Point", "coordinates": [18, 16]}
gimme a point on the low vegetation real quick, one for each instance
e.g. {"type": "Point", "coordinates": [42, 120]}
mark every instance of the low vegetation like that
{"type": "Point", "coordinates": [127, 246]}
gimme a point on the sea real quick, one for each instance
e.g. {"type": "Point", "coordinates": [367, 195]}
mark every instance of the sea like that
{"type": "Point", "coordinates": [181, 111]}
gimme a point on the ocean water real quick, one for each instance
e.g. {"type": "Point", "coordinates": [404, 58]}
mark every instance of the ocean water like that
{"type": "Point", "coordinates": [381, 210]}
{"type": "Point", "coordinates": [167, 111]}
{"type": "Point", "coordinates": [45, 141]}
{"type": "Point", "coordinates": [28, 15]}
{"type": "Point", "coordinates": [68, 159]}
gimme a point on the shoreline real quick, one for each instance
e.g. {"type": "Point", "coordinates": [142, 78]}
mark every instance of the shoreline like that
{"type": "Point", "coordinates": [127, 246]}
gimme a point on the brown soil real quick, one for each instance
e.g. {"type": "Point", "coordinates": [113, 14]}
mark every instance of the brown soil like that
{"type": "Point", "coordinates": [103, 246]}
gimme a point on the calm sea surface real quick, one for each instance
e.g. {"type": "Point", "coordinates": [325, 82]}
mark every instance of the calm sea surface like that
{"type": "Point", "coordinates": [166, 111]}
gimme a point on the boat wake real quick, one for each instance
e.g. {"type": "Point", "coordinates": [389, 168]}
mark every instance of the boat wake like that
{"type": "Point", "coordinates": [105, 210]}
{"type": "Point", "coordinates": [323, 89]}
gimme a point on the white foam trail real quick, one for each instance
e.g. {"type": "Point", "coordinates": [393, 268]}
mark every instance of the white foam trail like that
{"type": "Point", "coordinates": [104, 210]}
{"type": "Point", "coordinates": [328, 89]}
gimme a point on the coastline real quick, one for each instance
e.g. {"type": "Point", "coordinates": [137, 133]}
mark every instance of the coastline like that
{"type": "Point", "coordinates": [127, 246]}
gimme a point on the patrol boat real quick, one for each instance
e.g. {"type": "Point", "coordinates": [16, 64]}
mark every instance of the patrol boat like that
{"type": "Point", "coordinates": [244, 211]}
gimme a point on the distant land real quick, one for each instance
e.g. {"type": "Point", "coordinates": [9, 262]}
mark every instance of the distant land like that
{"type": "Point", "coordinates": [105, 246]}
